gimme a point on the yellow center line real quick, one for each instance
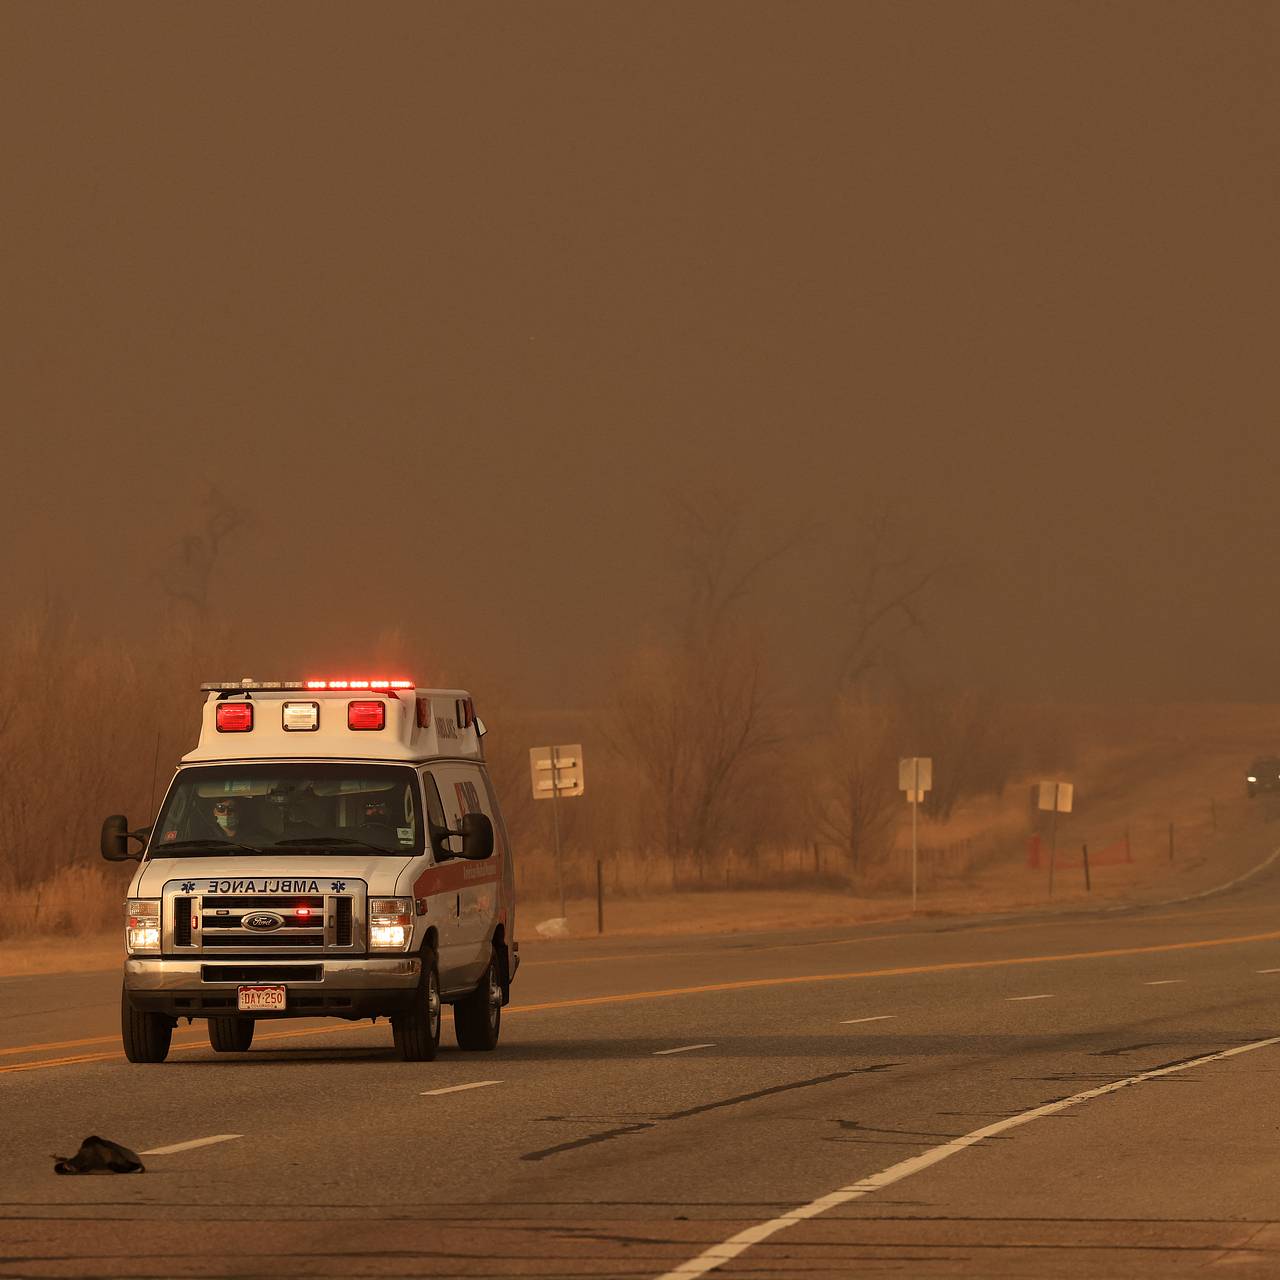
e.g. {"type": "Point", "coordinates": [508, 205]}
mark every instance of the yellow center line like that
{"type": "Point", "coordinates": [119, 1053]}
{"type": "Point", "coordinates": [899, 971]}
{"type": "Point", "coordinates": [959, 930]}
{"type": "Point", "coordinates": [59, 1044]}
{"type": "Point", "coordinates": [735, 953]}
{"type": "Point", "coordinates": [746, 984]}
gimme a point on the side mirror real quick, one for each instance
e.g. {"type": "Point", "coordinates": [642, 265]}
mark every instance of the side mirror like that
{"type": "Point", "coordinates": [115, 838]}
{"type": "Point", "coordinates": [477, 837]}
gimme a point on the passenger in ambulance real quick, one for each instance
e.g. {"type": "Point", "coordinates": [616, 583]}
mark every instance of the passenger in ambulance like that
{"type": "Point", "coordinates": [376, 823]}
{"type": "Point", "coordinates": [305, 814]}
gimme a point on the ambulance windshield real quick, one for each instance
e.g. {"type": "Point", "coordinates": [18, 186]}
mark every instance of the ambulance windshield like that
{"type": "Point", "coordinates": [290, 808]}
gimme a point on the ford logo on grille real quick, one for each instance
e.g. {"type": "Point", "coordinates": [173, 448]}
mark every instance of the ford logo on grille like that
{"type": "Point", "coordinates": [263, 921]}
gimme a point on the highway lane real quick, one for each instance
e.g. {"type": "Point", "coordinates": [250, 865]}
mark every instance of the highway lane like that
{"type": "Point", "coordinates": [651, 1100]}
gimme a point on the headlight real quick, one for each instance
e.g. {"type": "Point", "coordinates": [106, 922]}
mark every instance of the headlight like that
{"type": "Point", "coordinates": [1251, 778]}
{"type": "Point", "coordinates": [390, 923]}
{"type": "Point", "coordinates": [142, 924]}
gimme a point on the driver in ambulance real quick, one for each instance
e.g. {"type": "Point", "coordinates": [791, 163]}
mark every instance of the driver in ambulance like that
{"type": "Point", "coordinates": [234, 821]}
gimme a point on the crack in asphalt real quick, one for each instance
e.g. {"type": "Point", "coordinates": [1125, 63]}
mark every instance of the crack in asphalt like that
{"type": "Point", "coordinates": [622, 1131]}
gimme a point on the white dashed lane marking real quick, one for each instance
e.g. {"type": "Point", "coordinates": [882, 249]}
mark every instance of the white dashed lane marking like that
{"type": "Point", "coordinates": [1269, 970]}
{"type": "Point", "coordinates": [718, 1254]}
{"type": "Point", "coordinates": [684, 1048]}
{"type": "Point", "coordinates": [1044, 997]}
{"type": "Point", "coordinates": [1162, 982]}
{"type": "Point", "coordinates": [877, 1017]}
{"type": "Point", "coordinates": [190, 1146]}
{"type": "Point", "coordinates": [458, 1088]}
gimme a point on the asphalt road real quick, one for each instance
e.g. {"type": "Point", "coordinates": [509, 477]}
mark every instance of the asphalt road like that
{"type": "Point", "coordinates": [650, 1102]}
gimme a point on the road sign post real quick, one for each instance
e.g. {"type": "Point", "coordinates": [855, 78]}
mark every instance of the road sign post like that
{"type": "Point", "coordinates": [1055, 797]}
{"type": "Point", "coordinates": [915, 777]}
{"type": "Point", "coordinates": [556, 772]}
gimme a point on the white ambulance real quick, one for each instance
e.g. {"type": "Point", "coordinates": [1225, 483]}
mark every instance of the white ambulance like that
{"type": "Point", "coordinates": [330, 848]}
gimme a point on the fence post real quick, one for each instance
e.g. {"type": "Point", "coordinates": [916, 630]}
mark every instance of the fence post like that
{"type": "Point", "coordinates": [1088, 888]}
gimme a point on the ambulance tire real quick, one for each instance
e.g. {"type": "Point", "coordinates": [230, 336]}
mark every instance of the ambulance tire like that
{"type": "Point", "coordinates": [417, 1033]}
{"type": "Point", "coordinates": [146, 1036]}
{"type": "Point", "coordinates": [477, 1018]}
{"type": "Point", "coordinates": [231, 1035]}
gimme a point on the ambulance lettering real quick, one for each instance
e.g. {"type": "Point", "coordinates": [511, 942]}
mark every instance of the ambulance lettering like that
{"type": "Point", "coordinates": [263, 886]}
{"type": "Point", "coordinates": [468, 797]}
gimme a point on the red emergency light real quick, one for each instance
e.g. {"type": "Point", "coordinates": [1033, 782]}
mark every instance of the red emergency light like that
{"type": "Point", "coordinates": [234, 717]}
{"type": "Point", "coordinates": [360, 684]}
{"type": "Point", "coordinates": [366, 715]}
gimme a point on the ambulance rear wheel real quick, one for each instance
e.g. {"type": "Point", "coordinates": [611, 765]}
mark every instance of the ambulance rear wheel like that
{"type": "Point", "coordinates": [230, 1035]}
{"type": "Point", "coordinates": [146, 1036]}
{"type": "Point", "coordinates": [477, 1018]}
{"type": "Point", "coordinates": [417, 1032]}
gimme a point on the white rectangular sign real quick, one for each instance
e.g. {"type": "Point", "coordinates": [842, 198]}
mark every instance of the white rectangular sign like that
{"type": "Point", "coordinates": [1056, 796]}
{"type": "Point", "coordinates": [915, 774]}
{"type": "Point", "coordinates": [556, 772]}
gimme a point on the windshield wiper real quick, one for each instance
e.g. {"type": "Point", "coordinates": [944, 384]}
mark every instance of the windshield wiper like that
{"type": "Point", "coordinates": [334, 843]}
{"type": "Point", "coordinates": [203, 846]}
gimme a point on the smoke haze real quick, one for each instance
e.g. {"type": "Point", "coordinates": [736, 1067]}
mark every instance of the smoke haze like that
{"type": "Point", "coordinates": [458, 305]}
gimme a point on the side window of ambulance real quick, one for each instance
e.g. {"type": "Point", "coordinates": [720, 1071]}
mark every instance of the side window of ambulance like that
{"type": "Point", "coordinates": [437, 823]}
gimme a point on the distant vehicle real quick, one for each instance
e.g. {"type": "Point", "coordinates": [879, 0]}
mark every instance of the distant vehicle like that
{"type": "Point", "coordinates": [1264, 775]}
{"type": "Point", "coordinates": [330, 848]}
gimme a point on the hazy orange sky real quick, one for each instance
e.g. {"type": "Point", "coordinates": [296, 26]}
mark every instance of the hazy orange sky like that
{"type": "Point", "coordinates": [456, 300]}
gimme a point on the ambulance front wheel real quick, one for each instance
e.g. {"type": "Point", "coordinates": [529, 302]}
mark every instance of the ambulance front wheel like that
{"type": "Point", "coordinates": [146, 1036]}
{"type": "Point", "coordinates": [477, 1018]}
{"type": "Point", "coordinates": [417, 1032]}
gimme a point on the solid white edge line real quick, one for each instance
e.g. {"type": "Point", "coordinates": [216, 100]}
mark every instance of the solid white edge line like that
{"type": "Point", "coordinates": [458, 1088]}
{"type": "Point", "coordinates": [190, 1146]}
{"type": "Point", "coordinates": [1044, 997]}
{"type": "Point", "coordinates": [728, 1249]}
{"type": "Point", "coordinates": [684, 1048]}
{"type": "Point", "coordinates": [878, 1017]}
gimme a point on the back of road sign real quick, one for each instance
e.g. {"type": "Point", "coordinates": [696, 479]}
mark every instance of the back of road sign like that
{"type": "Point", "coordinates": [915, 774]}
{"type": "Point", "coordinates": [556, 772]}
{"type": "Point", "coordinates": [1057, 796]}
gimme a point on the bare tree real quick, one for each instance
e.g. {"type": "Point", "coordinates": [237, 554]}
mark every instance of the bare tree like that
{"type": "Point", "coordinates": [885, 600]}
{"type": "Point", "coordinates": [194, 557]}
{"type": "Point", "coordinates": [853, 795]}
{"type": "Point", "coordinates": [723, 560]}
{"type": "Point", "coordinates": [693, 716]}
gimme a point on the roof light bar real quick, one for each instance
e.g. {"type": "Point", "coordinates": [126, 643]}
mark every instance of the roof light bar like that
{"type": "Point", "coordinates": [361, 684]}
{"type": "Point", "coordinates": [288, 686]}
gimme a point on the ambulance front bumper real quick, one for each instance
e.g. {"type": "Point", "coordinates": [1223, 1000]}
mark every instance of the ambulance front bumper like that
{"type": "Point", "coordinates": [346, 988]}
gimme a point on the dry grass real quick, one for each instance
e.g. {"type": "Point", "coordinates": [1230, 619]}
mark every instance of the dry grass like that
{"type": "Point", "coordinates": [1146, 768]}
{"type": "Point", "coordinates": [74, 901]}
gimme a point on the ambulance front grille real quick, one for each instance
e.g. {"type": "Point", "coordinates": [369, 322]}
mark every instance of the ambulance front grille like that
{"type": "Point", "coordinates": [216, 923]}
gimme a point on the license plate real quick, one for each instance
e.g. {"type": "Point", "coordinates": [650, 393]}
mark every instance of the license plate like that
{"type": "Point", "coordinates": [256, 999]}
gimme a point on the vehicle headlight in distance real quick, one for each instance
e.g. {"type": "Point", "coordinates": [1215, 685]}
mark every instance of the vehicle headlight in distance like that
{"type": "Point", "coordinates": [390, 923]}
{"type": "Point", "coordinates": [1251, 778]}
{"type": "Point", "coordinates": [142, 924]}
